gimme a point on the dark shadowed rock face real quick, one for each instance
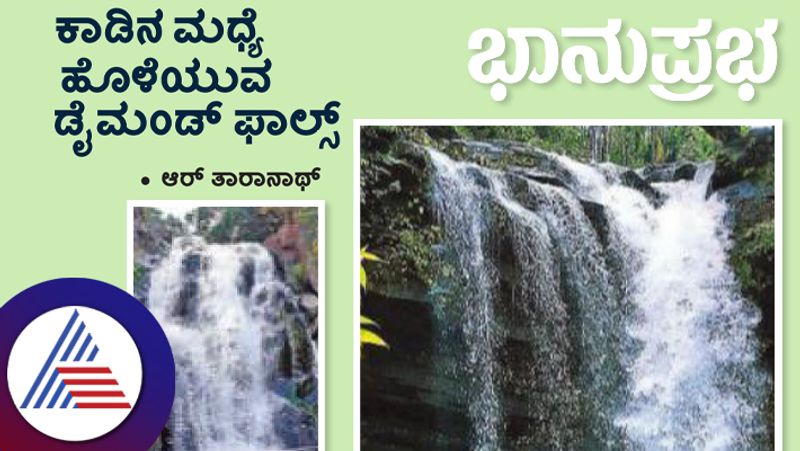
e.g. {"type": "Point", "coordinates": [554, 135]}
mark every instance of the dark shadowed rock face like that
{"type": "Point", "coordinates": [685, 171]}
{"type": "Point", "coordinates": [399, 381]}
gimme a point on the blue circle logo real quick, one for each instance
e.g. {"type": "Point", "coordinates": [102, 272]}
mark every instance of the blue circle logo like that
{"type": "Point", "coordinates": [87, 367]}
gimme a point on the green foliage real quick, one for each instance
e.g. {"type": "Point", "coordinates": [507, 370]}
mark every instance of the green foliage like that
{"type": "Point", "coordinates": [139, 272]}
{"type": "Point", "coordinates": [659, 151]}
{"type": "Point", "coordinates": [415, 247]}
{"type": "Point", "coordinates": [764, 174]}
{"type": "Point", "coordinates": [225, 227]}
{"type": "Point", "coordinates": [744, 130]}
{"type": "Point", "coordinates": [513, 133]}
{"type": "Point", "coordinates": [570, 141]}
{"type": "Point", "coordinates": [297, 273]}
{"type": "Point", "coordinates": [753, 256]}
{"type": "Point", "coordinates": [230, 225]}
{"type": "Point", "coordinates": [631, 146]}
{"type": "Point", "coordinates": [635, 146]}
{"type": "Point", "coordinates": [396, 218]}
{"type": "Point", "coordinates": [410, 257]}
{"type": "Point", "coordinates": [369, 337]}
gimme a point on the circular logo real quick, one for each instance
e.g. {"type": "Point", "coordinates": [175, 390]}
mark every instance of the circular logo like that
{"type": "Point", "coordinates": [88, 368]}
{"type": "Point", "coordinates": [74, 373]}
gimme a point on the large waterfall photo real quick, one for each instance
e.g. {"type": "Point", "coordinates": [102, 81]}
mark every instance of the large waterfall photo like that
{"type": "Point", "coordinates": [237, 290]}
{"type": "Point", "coordinates": [575, 287]}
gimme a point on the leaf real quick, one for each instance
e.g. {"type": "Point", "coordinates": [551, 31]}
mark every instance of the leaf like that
{"type": "Point", "coordinates": [369, 337]}
{"type": "Point", "coordinates": [363, 278]}
{"type": "Point", "coordinates": [368, 322]}
{"type": "Point", "coordinates": [366, 255]}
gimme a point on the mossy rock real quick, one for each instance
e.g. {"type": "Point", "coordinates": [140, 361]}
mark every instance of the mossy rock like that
{"type": "Point", "coordinates": [397, 218]}
{"type": "Point", "coordinates": [744, 177]}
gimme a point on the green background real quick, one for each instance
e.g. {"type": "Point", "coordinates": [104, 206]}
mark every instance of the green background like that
{"type": "Point", "coordinates": [65, 216]}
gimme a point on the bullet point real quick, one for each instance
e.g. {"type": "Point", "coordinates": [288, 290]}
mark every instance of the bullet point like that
{"type": "Point", "coordinates": [145, 180]}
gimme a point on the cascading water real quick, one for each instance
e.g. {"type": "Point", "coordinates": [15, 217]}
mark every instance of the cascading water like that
{"type": "Point", "coordinates": [237, 335]}
{"type": "Point", "coordinates": [694, 382]}
{"type": "Point", "coordinates": [638, 335]}
{"type": "Point", "coordinates": [462, 205]}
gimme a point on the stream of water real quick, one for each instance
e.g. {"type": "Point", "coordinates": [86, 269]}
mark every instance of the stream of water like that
{"type": "Point", "coordinates": [236, 333]}
{"type": "Point", "coordinates": [641, 338]}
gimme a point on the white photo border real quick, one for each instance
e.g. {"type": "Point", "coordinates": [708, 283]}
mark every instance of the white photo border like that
{"type": "Point", "coordinates": [778, 220]}
{"type": "Point", "coordinates": [321, 318]}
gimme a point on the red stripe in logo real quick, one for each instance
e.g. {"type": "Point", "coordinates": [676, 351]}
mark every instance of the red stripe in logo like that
{"type": "Point", "coordinates": [97, 394]}
{"type": "Point", "coordinates": [87, 370]}
{"type": "Point", "coordinates": [103, 405]}
{"type": "Point", "coordinates": [90, 382]}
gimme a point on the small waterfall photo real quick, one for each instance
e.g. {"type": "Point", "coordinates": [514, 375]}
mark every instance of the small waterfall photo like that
{"type": "Point", "coordinates": [569, 287]}
{"type": "Point", "coordinates": [237, 287]}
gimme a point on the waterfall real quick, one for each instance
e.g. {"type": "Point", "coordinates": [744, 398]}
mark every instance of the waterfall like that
{"type": "Point", "coordinates": [462, 204]}
{"type": "Point", "coordinates": [589, 318]}
{"type": "Point", "coordinates": [694, 383]}
{"type": "Point", "coordinates": [237, 336]}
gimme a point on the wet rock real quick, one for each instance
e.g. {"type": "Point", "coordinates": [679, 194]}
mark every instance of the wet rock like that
{"type": "Point", "coordinates": [540, 177]}
{"type": "Point", "coordinates": [747, 201]}
{"type": "Point", "coordinates": [685, 171]}
{"type": "Point", "coordinates": [304, 358]}
{"type": "Point", "coordinates": [611, 171]}
{"type": "Point", "coordinates": [483, 149]}
{"type": "Point", "coordinates": [287, 243]}
{"type": "Point", "coordinates": [307, 388]}
{"type": "Point", "coordinates": [750, 218]}
{"type": "Point", "coordinates": [186, 307]}
{"type": "Point", "coordinates": [632, 180]}
{"type": "Point", "coordinates": [597, 216]}
{"type": "Point", "coordinates": [164, 442]}
{"type": "Point", "coordinates": [310, 304]}
{"type": "Point", "coordinates": [302, 432]}
{"type": "Point", "coordinates": [502, 244]}
{"type": "Point", "coordinates": [479, 178]}
{"type": "Point", "coordinates": [668, 172]}
{"type": "Point", "coordinates": [285, 356]}
{"type": "Point", "coordinates": [246, 278]}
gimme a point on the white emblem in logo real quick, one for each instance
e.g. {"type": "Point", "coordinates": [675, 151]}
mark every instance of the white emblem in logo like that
{"type": "Point", "coordinates": [74, 373]}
